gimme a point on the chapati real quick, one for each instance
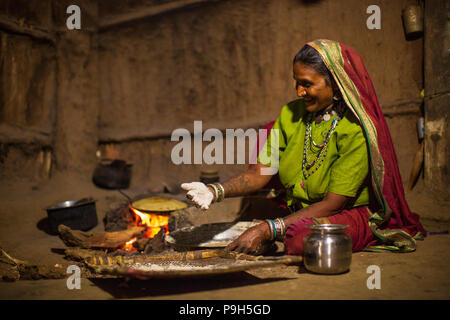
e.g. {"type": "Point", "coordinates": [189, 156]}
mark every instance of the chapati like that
{"type": "Point", "coordinates": [158, 204]}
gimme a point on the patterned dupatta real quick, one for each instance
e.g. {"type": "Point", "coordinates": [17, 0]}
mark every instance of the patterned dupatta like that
{"type": "Point", "coordinates": [391, 220]}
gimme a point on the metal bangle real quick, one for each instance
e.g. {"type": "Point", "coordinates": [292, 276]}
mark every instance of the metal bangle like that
{"type": "Point", "coordinates": [216, 192]}
{"type": "Point", "coordinates": [270, 228]}
{"type": "Point", "coordinates": [273, 231]}
{"type": "Point", "coordinates": [281, 228]}
{"type": "Point", "coordinates": [220, 191]}
{"type": "Point", "coordinates": [277, 228]}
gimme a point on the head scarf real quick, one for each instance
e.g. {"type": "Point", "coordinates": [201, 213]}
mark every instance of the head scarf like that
{"type": "Point", "coordinates": [391, 218]}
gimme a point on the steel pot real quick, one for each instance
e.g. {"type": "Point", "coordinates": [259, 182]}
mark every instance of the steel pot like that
{"type": "Point", "coordinates": [327, 249]}
{"type": "Point", "coordinates": [76, 214]}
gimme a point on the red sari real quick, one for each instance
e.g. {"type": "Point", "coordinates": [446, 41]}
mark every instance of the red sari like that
{"type": "Point", "coordinates": [387, 222]}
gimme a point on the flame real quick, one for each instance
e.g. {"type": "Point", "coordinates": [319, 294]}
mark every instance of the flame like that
{"type": "Point", "coordinates": [154, 222]}
{"type": "Point", "coordinates": [128, 246]}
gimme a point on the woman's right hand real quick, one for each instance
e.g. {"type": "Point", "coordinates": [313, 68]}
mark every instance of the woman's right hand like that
{"type": "Point", "coordinates": [199, 194]}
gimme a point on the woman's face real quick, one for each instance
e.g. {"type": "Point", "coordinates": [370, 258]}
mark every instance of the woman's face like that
{"type": "Point", "coordinates": [313, 88]}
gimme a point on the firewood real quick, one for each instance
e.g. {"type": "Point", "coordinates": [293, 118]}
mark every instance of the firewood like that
{"type": "Point", "coordinates": [140, 244]}
{"type": "Point", "coordinates": [12, 269]}
{"type": "Point", "coordinates": [107, 240]}
{"type": "Point", "coordinates": [156, 244]}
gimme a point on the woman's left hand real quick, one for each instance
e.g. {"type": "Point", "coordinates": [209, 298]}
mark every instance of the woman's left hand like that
{"type": "Point", "coordinates": [251, 241]}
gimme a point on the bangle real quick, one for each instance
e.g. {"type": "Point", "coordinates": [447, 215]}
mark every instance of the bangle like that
{"type": "Point", "coordinates": [219, 191]}
{"type": "Point", "coordinates": [216, 192]}
{"type": "Point", "coordinates": [280, 228]}
{"type": "Point", "coordinates": [222, 189]}
{"type": "Point", "coordinates": [273, 231]}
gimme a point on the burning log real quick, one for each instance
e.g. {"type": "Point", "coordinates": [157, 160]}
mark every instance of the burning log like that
{"type": "Point", "coordinates": [106, 240]}
{"type": "Point", "coordinates": [119, 218]}
{"type": "Point", "coordinates": [156, 244]}
{"type": "Point", "coordinates": [140, 244]}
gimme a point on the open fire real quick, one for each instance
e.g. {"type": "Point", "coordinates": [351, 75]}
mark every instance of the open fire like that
{"type": "Point", "coordinates": [152, 221]}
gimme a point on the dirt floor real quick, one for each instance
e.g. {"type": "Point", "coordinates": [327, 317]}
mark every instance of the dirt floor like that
{"type": "Point", "coordinates": [423, 274]}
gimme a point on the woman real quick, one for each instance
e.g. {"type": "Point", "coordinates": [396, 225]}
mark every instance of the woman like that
{"type": "Point", "coordinates": [336, 161]}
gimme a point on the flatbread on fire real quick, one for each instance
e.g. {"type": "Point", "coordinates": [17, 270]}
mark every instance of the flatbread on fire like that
{"type": "Point", "coordinates": [158, 204]}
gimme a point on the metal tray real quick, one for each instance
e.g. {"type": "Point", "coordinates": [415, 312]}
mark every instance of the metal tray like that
{"type": "Point", "coordinates": [214, 235]}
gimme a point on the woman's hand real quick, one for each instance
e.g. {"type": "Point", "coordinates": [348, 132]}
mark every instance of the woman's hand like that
{"type": "Point", "coordinates": [199, 194]}
{"type": "Point", "coordinates": [252, 240]}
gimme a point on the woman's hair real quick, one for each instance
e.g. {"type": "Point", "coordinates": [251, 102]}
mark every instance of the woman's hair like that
{"type": "Point", "coordinates": [311, 58]}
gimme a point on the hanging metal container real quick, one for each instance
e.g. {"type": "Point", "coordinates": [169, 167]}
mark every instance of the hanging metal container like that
{"type": "Point", "coordinates": [413, 21]}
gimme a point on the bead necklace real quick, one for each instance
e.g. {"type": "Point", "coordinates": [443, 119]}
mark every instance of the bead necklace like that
{"type": "Point", "coordinates": [323, 148]}
{"type": "Point", "coordinates": [325, 117]}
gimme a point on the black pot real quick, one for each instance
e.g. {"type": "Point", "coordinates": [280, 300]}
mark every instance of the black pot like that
{"type": "Point", "coordinates": [76, 214]}
{"type": "Point", "coordinates": [112, 174]}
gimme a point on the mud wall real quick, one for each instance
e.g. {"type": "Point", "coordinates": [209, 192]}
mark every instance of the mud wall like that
{"type": "Point", "coordinates": [137, 70]}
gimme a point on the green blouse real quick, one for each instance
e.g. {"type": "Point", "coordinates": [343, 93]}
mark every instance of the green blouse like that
{"type": "Point", "coordinates": [343, 170]}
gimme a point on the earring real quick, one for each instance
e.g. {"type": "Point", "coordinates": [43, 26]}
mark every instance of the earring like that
{"type": "Point", "coordinates": [336, 98]}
